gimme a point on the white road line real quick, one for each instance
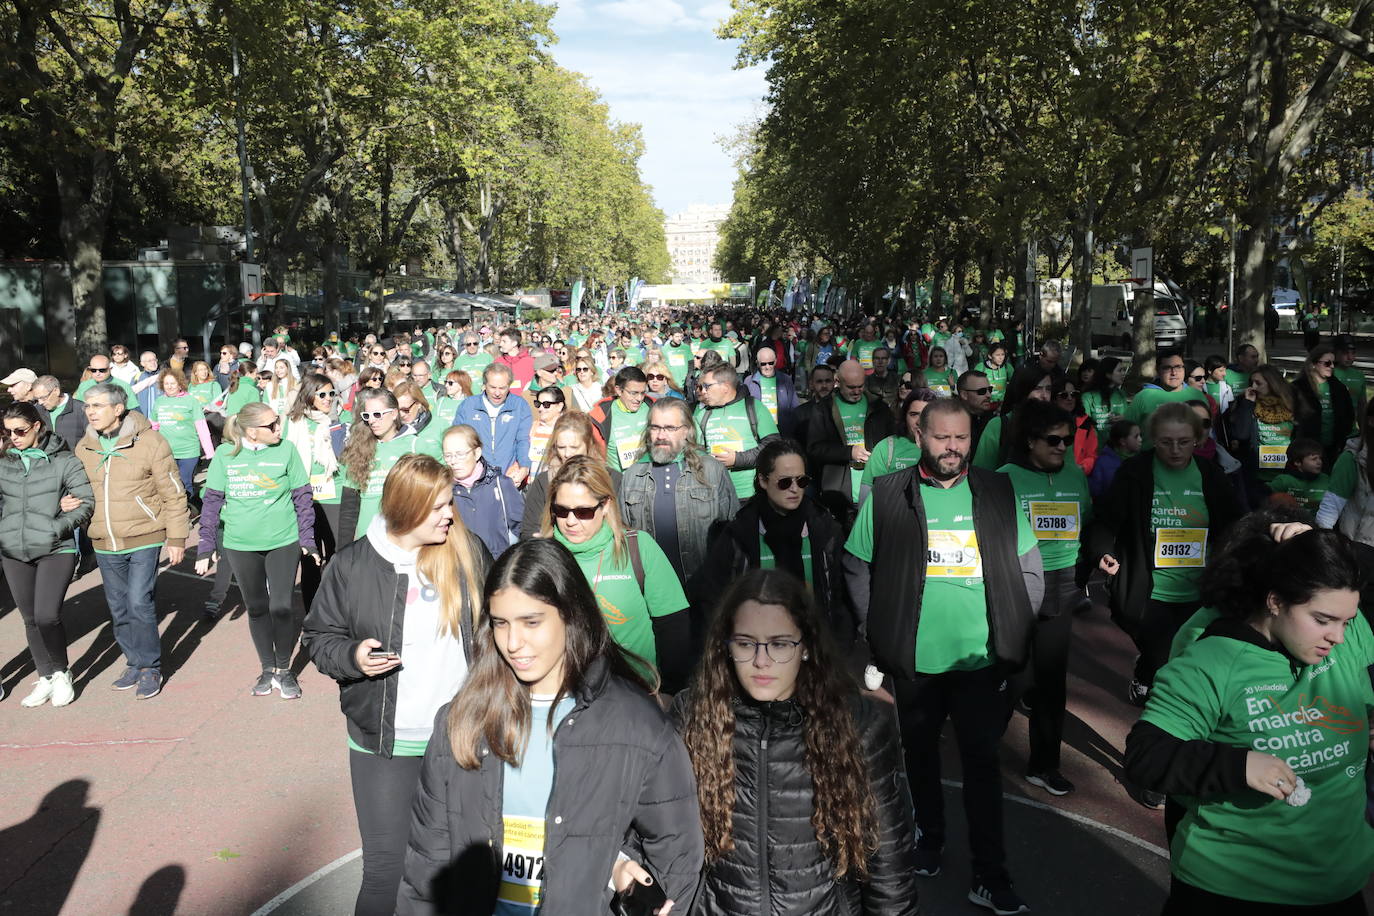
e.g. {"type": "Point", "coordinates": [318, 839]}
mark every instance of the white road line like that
{"type": "Point", "coordinates": [1077, 818]}
{"type": "Point", "coordinates": [305, 882]}
{"type": "Point", "coordinates": [111, 743]}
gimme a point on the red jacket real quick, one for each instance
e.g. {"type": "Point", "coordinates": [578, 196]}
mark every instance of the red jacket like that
{"type": "Point", "coordinates": [522, 364]}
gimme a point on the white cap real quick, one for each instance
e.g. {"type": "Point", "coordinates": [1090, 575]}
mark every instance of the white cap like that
{"type": "Point", "coordinates": [19, 375]}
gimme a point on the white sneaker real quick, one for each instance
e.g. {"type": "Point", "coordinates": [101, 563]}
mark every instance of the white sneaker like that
{"type": "Point", "coordinates": [42, 690]}
{"type": "Point", "coordinates": [62, 692]}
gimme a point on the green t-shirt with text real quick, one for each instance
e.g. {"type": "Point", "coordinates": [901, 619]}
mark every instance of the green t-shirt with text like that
{"type": "Point", "coordinates": [726, 429]}
{"type": "Point", "coordinates": [626, 434]}
{"type": "Point", "coordinates": [1058, 506]}
{"type": "Point", "coordinates": [679, 360]}
{"type": "Point", "coordinates": [895, 453]}
{"type": "Point", "coordinates": [1308, 493]}
{"type": "Point", "coordinates": [176, 419]}
{"type": "Point", "coordinates": [258, 512]}
{"type": "Point", "coordinates": [852, 418]}
{"type": "Point", "coordinates": [1178, 532]}
{"type": "Point", "coordinates": [130, 399]}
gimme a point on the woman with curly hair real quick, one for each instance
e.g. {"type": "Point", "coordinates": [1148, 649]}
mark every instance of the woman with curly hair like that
{"type": "Point", "coordinates": [778, 736]}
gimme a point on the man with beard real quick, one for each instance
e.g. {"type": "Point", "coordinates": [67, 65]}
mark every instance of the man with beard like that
{"type": "Point", "coordinates": [944, 573]}
{"type": "Point", "coordinates": [677, 490]}
{"type": "Point", "coordinates": [975, 390]}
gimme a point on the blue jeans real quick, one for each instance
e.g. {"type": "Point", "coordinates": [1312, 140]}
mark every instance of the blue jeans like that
{"type": "Point", "coordinates": [186, 467]}
{"type": "Point", "coordinates": [129, 579]}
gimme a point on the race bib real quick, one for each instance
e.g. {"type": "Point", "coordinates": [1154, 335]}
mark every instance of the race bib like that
{"type": "Point", "coordinates": [1180, 548]}
{"type": "Point", "coordinates": [1273, 456]}
{"type": "Point", "coordinates": [677, 360]}
{"type": "Point", "coordinates": [1053, 521]}
{"type": "Point", "coordinates": [943, 391]}
{"type": "Point", "coordinates": [522, 862]}
{"type": "Point", "coordinates": [629, 449]}
{"type": "Point", "coordinates": [953, 555]}
{"type": "Point", "coordinates": [322, 486]}
{"type": "Point", "coordinates": [723, 439]}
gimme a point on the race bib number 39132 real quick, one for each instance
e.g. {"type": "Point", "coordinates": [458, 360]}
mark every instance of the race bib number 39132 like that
{"type": "Point", "coordinates": [1180, 548]}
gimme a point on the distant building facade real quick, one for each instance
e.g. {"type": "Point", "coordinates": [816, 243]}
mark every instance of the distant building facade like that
{"type": "Point", "coordinates": [692, 238]}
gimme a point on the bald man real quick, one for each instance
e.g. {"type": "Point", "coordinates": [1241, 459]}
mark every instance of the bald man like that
{"type": "Point", "coordinates": [844, 429]}
{"type": "Point", "coordinates": [774, 391]}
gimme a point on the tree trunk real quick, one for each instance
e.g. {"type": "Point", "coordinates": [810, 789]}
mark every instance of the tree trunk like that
{"type": "Point", "coordinates": [1143, 336]}
{"type": "Point", "coordinates": [937, 290]}
{"type": "Point", "coordinates": [987, 283]}
{"type": "Point", "coordinates": [329, 281]}
{"type": "Point", "coordinates": [957, 280]}
{"type": "Point", "coordinates": [1080, 320]}
{"type": "Point", "coordinates": [1254, 279]}
{"type": "Point", "coordinates": [85, 215]}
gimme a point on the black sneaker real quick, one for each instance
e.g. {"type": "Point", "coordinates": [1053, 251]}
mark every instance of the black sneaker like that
{"type": "Point", "coordinates": [997, 895]}
{"type": "Point", "coordinates": [1138, 694]}
{"type": "Point", "coordinates": [1052, 781]}
{"type": "Point", "coordinates": [286, 682]}
{"type": "Point", "coordinates": [126, 680]}
{"type": "Point", "coordinates": [149, 684]}
{"type": "Point", "coordinates": [263, 688]}
{"type": "Point", "coordinates": [928, 862]}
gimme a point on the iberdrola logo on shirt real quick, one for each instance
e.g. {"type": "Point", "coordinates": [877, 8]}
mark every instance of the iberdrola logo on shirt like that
{"type": "Point", "coordinates": [262, 481]}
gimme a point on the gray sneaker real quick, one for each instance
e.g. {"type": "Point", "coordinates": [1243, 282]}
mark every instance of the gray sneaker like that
{"type": "Point", "coordinates": [286, 682]}
{"type": "Point", "coordinates": [126, 680]}
{"type": "Point", "coordinates": [149, 684]}
{"type": "Point", "coordinates": [263, 688]}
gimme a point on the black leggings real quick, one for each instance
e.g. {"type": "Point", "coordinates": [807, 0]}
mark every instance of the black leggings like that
{"type": "Point", "coordinates": [383, 791]}
{"type": "Point", "coordinates": [1156, 635]}
{"type": "Point", "coordinates": [39, 589]}
{"type": "Point", "coordinates": [266, 578]}
{"type": "Point", "coordinates": [1187, 900]}
{"type": "Point", "coordinates": [326, 522]}
{"type": "Point", "coordinates": [1049, 668]}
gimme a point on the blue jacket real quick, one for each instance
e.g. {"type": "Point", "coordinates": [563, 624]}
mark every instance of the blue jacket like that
{"type": "Point", "coordinates": [787, 401]}
{"type": "Point", "coordinates": [1104, 471]}
{"type": "Point", "coordinates": [492, 508]}
{"type": "Point", "coordinates": [505, 437]}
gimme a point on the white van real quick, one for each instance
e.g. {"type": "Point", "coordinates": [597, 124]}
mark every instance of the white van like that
{"type": "Point", "coordinates": [1111, 316]}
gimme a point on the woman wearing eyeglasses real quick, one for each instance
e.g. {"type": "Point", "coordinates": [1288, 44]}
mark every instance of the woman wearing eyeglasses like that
{"type": "Point", "coordinates": [1152, 534]}
{"type": "Point", "coordinates": [259, 488]}
{"type": "Point", "coordinates": [488, 501]}
{"type": "Point", "coordinates": [800, 777]}
{"type": "Point", "coordinates": [37, 550]}
{"type": "Point", "coordinates": [1053, 493]}
{"type": "Point", "coordinates": [1324, 408]}
{"type": "Point", "coordinates": [780, 527]}
{"type": "Point", "coordinates": [572, 435]}
{"type": "Point", "coordinates": [376, 441]}
{"type": "Point", "coordinates": [586, 391]}
{"type": "Point", "coordinates": [638, 590]}
{"type": "Point", "coordinates": [549, 406]}
{"type": "Point", "coordinates": [314, 428]}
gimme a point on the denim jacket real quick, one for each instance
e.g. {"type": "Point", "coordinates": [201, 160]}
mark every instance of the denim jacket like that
{"type": "Point", "coordinates": [698, 505]}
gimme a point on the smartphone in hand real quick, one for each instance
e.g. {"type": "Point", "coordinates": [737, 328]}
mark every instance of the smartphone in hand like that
{"type": "Point", "coordinates": [639, 900]}
{"type": "Point", "coordinates": [380, 653]}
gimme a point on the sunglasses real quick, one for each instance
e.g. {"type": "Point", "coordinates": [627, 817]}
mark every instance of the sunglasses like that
{"type": "Point", "coordinates": [802, 482]}
{"type": "Point", "coordinates": [773, 363]}
{"type": "Point", "coordinates": [987, 389]}
{"type": "Point", "coordinates": [1065, 395]}
{"type": "Point", "coordinates": [581, 513]}
{"type": "Point", "coordinates": [327, 394]}
{"type": "Point", "coordinates": [548, 403]}
{"type": "Point", "coordinates": [1326, 362]}
{"type": "Point", "coordinates": [16, 433]}
{"type": "Point", "coordinates": [379, 353]}
{"type": "Point", "coordinates": [450, 381]}
{"type": "Point", "coordinates": [275, 424]}
{"type": "Point", "coordinates": [97, 368]}
{"type": "Point", "coordinates": [656, 377]}
{"type": "Point", "coordinates": [1197, 378]}
{"type": "Point", "coordinates": [1056, 441]}
{"type": "Point", "coordinates": [584, 368]}
{"type": "Point", "coordinates": [264, 376]}
{"type": "Point", "coordinates": [369, 416]}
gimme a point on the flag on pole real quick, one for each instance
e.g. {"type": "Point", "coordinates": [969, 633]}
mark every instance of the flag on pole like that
{"type": "Point", "coordinates": [633, 294]}
{"type": "Point", "coordinates": [789, 297]}
{"type": "Point", "coordinates": [610, 299]}
{"type": "Point", "coordinates": [575, 297]}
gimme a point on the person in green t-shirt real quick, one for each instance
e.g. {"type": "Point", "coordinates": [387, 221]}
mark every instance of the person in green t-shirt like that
{"type": "Point", "coordinates": [732, 425]}
{"type": "Point", "coordinates": [1302, 481]}
{"type": "Point", "coordinates": [377, 439]}
{"type": "Point", "coordinates": [474, 357]}
{"type": "Point", "coordinates": [243, 389]}
{"type": "Point", "coordinates": [314, 428]}
{"type": "Point", "coordinates": [646, 611]}
{"type": "Point", "coordinates": [1028, 383]}
{"type": "Point", "coordinates": [1270, 705]}
{"type": "Point", "coordinates": [97, 371]}
{"type": "Point", "coordinates": [1351, 376]}
{"type": "Point", "coordinates": [898, 451]}
{"type": "Point", "coordinates": [677, 354]}
{"type": "Point", "coordinates": [997, 369]}
{"type": "Point", "coordinates": [180, 419]}
{"type": "Point", "coordinates": [1324, 407]}
{"type": "Point", "coordinates": [1238, 374]}
{"type": "Point", "coordinates": [1171, 386]}
{"type": "Point", "coordinates": [258, 488]}
{"type": "Point", "coordinates": [949, 593]}
{"type": "Point", "coordinates": [1104, 400]}
{"type": "Point", "coordinates": [1054, 497]}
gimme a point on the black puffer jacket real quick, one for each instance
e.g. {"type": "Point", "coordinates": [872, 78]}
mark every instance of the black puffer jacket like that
{"type": "Point", "coordinates": [777, 867]}
{"type": "Point", "coordinates": [32, 523]}
{"type": "Point", "coordinates": [622, 773]}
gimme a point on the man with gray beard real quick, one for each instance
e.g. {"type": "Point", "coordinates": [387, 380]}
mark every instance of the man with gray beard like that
{"type": "Point", "coordinates": [676, 491]}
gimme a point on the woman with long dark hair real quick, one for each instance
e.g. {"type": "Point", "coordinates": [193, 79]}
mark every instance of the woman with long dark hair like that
{"type": "Point", "coordinates": [1103, 400]}
{"type": "Point", "coordinates": [552, 753]}
{"type": "Point", "coordinates": [1260, 426]}
{"type": "Point", "coordinates": [994, 446]}
{"type": "Point", "coordinates": [1324, 407]}
{"type": "Point", "coordinates": [800, 780]}
{"type": "Point", "coordinates": [407, 592]}
{"type": "Point", "coordinates": [1260, 729]}
{"type": "Point", "coordinates": [37, 550]}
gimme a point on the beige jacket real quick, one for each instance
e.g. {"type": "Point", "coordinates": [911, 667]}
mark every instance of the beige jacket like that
{"type": "Point", "coordinates": [139, 499]}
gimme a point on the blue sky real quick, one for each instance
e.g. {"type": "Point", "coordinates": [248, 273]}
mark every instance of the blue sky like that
{"type": "Point", "coordinates": [659, 64]}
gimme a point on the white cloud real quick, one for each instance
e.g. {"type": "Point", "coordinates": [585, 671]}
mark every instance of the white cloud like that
{"type": "Point", "coordinates": [647, 15]}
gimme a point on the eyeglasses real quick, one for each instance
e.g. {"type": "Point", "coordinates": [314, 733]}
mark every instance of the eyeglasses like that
{"type": "Point", "coordinates": [379, 353]}
{"type": "Point", "coordinates": [986, 389]}
{"type": "Point", "coordinates": [120, 352]}
{"type": "Point", "coordinates": [584, 368]}
{"type": "Point", "coordinates": [1172, 367]}
{"type": "Point", "coordinates": [459, 456]}
{"type": "Point", "coordinates": [97, 368]}
{"type": "Point", "coordinates": [1056, 441]}
{"type": "Point", "coordinates": [1065, 395]}
{"type": "Point", "coordinates": [369, 416]}
{"type": "Point", "coordinates": [706, 386]}
{"type": "Point", "coordinates": [542, 404]}
{"type": "Point", "coordinates": [16, 433]}
{"type": "Point", "coordinates": [656, 429]}
{"type": "Point", "coordinates": [409, 408]}
{"type": "Point", "coordinates": [581, 513]}
{"type": "Point", "coordinates": [656, 377]}
{"type": "Point", "coordinates": [469, 343]}
{"type": "Point", "coordinates": [785, 483]}
{"type": "Point", "coordinates": [780, 651]}
{"type": "Point", "coordinates": [273, 425]}
{"type": "Point", "coordinates": [327, 394]}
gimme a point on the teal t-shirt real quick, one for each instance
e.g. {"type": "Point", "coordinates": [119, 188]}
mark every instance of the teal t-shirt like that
{"type": "Point", "coordinates": [852, 418]}
{"type": "Point", "coordinates": [258, 512]}
{"type": "Point", "coordinates": [473, 364]}
{"type": "Point", "coordinates": [1101, 406]}
{"type": "Point", "coordinates": [988, 454]}
{"type": "Point", "coordinates": [1058, 506]}
{"type": "Point", "coordinates": [998, 376]}
{"type": "Point", "coordinates": [386, 456]}
{"type": "Point", "coordinates": [626, 609]}
{"type": "Point", "coordinates": [862, 350]}
{"type": "Point", "coordinates": [953, 633]}
{"type": "Point", "coordinates": [1148, 399]}
{"type": "Point", "coordinates": [176, 419]}
{"type": "Point", "coordinates": [1315, 718]}
{"type": "Point", "coordinates": [1178, 530]}
{"type": "Point", "coordinates": [1308, 492]}
{"type": "Point", "coordinates": [206, 392]}
{"type": "Point", "coordinates": [678, 360]}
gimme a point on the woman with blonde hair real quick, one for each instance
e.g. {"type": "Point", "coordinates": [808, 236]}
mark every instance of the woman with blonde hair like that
{"type": "Point", "coordinates": [409, 591]}
{"type": "Point", "coordinates": [640, 594]}
{"type": "Point", "coordinates": [661, 384]}
{"type": "Point", "coordinates": [180, 419]}
{"type": "Point", "coordinates": [260, 490]}
{"type": "Point", "coordinates": [314, 428]}
{"type": "Point", "coordinates": [378, 438]}
{"type": "Point", "coordinates": [394, 376]}
{"type": "Point", "coordinates": [587, 390]}
{"type": "Point", "coordinates": [572, 434]}
{"type": "Point", "coordinates": [457, 388]}
{"type": "Point", "coordinates": [281, 390]}
{"type": "Point", "coordinates": [202, 383]}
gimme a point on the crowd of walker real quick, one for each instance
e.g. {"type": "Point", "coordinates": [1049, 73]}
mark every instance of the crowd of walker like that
{"type": "Point", "coordinates": [668, 610]}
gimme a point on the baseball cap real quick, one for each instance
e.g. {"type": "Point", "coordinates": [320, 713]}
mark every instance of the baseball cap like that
{"type": "Point", "coordinates": [20, 375]}
{"type": "Point", "coordinates": [545, 361]}
{"type": "Point", "coordinates": [1343, 342]}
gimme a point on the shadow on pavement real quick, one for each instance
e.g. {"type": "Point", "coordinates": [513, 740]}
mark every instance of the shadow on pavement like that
{"type": "Point", "coordinates": [44, 854]}
{"type": "Point", "coordinates": [160, 892]}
